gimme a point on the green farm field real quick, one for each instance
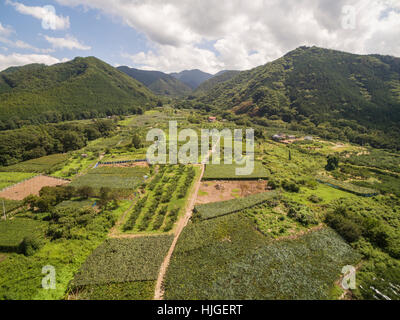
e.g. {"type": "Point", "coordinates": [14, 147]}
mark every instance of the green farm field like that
{"type": "Point", "coordinates": [12, 232]}
{"type": "Point", "coordinates": [41, 165]}
{"type": "Point", "coordinates": [8, 179]}
{"type": "Point", "coordinates": [164, 201]}
{"type": "Point", "coordinates": [217, 209]}
{"type": "Point", "coordinates": [124, 260]}
{"type": "Point", "coordinates": [232, 248]}
{"type": "Point", "coordinates": [115, 178]}
{"type": "Point", "coordinates": [228, 172]}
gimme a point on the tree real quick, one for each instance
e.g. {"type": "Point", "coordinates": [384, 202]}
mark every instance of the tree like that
{"type": "Point", "coordinates": [136, 141]}
{"type": "Point", "coordinates": [85, 192]}
{"type": "Point", "coordinates": [72, 141]}
{"type": "Point", "coordinates": [105, 197]}
{"type": "Point", "coordinates": [31, 201]}
{"type": "Point", "coordinates": [332, 163]}
{"type": "Point", "coordinates": [45, 203]}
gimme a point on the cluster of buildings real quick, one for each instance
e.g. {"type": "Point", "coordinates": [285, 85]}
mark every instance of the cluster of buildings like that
{"type": "Point", "coordinates": [281, 137]}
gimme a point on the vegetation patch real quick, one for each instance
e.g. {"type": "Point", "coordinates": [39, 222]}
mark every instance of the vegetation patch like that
{"type": "Point", "coordinates": [124, 260]}
{"type": "Point", "coordinates": [115, 178]}
{"type": "Point", "coordinates": [134, 290]}
{"type": "Point", "coordinates": [10, 205]}
{"type": "Point", "coordinates": [13, 232]}
{"type": "Point", "coordinates": [226, 258]}
{"type": "Point", "coordinates": [216, 209]}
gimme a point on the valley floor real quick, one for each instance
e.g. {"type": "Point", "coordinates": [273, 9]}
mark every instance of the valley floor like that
{"type": "Point", "coordinates": [122, 229]}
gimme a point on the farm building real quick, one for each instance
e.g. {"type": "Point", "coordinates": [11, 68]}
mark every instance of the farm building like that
{"type": "Point", "coordinates": [279, 137]}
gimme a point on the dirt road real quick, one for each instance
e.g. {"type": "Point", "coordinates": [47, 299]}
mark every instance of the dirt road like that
{"type": "Point", "coordinates": [159, 291]}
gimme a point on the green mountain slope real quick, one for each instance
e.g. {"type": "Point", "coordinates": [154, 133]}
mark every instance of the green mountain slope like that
{"type": "Point", "coordinates": [81, 88]}
{"type": "Point", "coordinates": [331, 93]}
{"type": "Point", "coordinates": [220, 77]}
{"type": "Point", "coordinates": [158, 82]}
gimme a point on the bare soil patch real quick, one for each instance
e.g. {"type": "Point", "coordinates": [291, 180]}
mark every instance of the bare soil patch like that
{"type": "Point", "coordinates": [32, 186]}
{"type": "Point", "coordinates": [142, 164]}
{"type": "Point", "coordinates": [216, 191]}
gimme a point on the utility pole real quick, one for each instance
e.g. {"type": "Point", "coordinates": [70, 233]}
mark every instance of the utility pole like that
{"type": "Point", "coordinates": [4, 211]}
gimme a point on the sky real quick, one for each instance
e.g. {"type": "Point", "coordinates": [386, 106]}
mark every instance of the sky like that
{"type": "Point", "coordinates": [176, 35]}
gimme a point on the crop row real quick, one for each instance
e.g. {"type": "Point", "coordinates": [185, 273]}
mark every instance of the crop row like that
{"type": "Point", "coordinates": [165, 187]}
{"type": "Point", "coordinates": [183, 189]}
{"type": "Point", "coordinates": [123, 260]}
{"type": "Point", "coordinates": [116, 178]}
{"type": "Point", "coordinates": [226, 258]}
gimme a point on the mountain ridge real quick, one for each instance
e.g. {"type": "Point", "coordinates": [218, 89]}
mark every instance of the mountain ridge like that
{"type": "Point", "coordinates": [313, 87]}
{"type": "Point", "coordinates": [78, 89]}
{"type": "Point", "coordinates": [192, 78]}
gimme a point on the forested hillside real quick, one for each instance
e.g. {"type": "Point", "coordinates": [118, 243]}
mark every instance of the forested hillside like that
{"type": "Point", "coordinates": [326, 92]}
{"type": "Point", "coordinates": [79, 89]}
{"type": "Point", "coordinates": [33, 142]}
{"type": "Point", "coordinates": [158, 82]}
{"type": "Point", "coordinates": [220, 77]}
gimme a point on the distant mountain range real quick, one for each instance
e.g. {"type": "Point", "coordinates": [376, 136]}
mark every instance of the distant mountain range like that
{"type": "Point", "coordinates": [158, 82]}
{"type": "Point", "coordinates": [192, 78]}
{"type": "Point", "coordinates": [177, 84]}
{"type": "Point", "coordinates": [78, 89]}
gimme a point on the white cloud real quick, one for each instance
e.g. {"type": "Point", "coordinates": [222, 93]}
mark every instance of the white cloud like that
{"type": "Point", "coordinates": [245, 34]}
{"type": "Point", "coordinates": [17, 59]}
{"type": "Point", "coordinates": [18, 44]}
{"type": "Point", "coordinates": [69, 42]}
{"type": "Point", "coordinates": [5, 31]}
{"type": "Point", "coordinates": [43, 14]}
{"type": "Point", "coordinates": [170, 59]}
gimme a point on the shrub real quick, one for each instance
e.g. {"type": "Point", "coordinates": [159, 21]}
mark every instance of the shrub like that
{"type": "Point", "coordinates": [302, 214]}
{"type": "Point", "coordinates": [332, 163]}
{"type": "Point", "coordinates": [349, 230]}
{"type": "Point", "coordinates": [29, 245]}
{"type": "Point", "coordinates": [290, 186]}
{"type": "Point", "coordinates": [315, 199]}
